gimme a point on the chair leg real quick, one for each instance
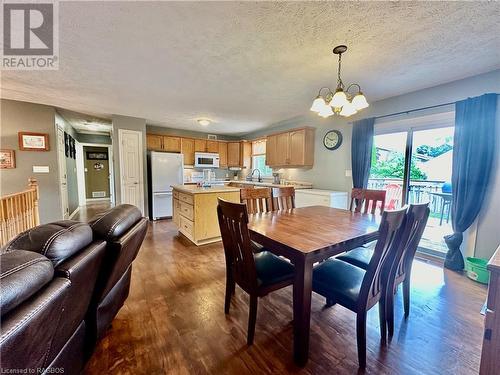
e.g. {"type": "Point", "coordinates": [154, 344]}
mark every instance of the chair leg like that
{"type": "Point", "coordinates": [389, 313]}
{"type": "Point", "coordinates": [330, 302]}
{"type": "Point", "coordinates": [229, 292]}
{"type": "Point", "coordinates": [252, 317]}
{"type": "Point", "coordinates": [361, 337]}
{"type": "Point", "coordinates": [406, 295]}
{"type": "Point", "coordinates": [382, 318]}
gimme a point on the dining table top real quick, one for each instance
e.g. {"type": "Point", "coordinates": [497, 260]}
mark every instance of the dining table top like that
{"type": "Point", "coordinates": [315, 228]}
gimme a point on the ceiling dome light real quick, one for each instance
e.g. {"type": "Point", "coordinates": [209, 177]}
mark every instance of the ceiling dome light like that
{"type": "Point", "coordinates": [326, 111]}
{"type": "Point", "coordinates": [348, 109]}
{"type": "Point", "coordinates": [339, 98]}
{"type": "Point", "coordinates": [359, 101]}
{"type": "Point", "coordinates": [318, 104]}
{"type": "Point", "coordinates": [203, 122]}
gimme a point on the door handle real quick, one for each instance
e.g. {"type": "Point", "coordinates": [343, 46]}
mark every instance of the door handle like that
{"type": "Point", "coordinates": [136, 183]}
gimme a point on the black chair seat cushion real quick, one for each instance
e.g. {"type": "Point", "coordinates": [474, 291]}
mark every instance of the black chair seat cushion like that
{"type": "Point", "coordinates": [271, 269]}
{"type": "Point", "coordinates": [339, 281]}
{"type": "Point", "coordinates": [360, 257]}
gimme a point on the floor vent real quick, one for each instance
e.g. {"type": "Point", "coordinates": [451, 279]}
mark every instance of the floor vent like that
{"type": "Point", "coordinates": [98, 194]}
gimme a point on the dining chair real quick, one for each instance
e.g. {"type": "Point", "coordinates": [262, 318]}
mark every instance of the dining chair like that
{"type": "Point", "coordinates": [257, 274]}
{"type": "Point", "coordinates": [359, 290]}
{"type": "Point", "coordinates": [357, 199]}
{"type": "Point", "coordinates": [400, 271]}
{"type": "Point", "coordinates": [374, 199]}
{"type": "Point", "coordinates": [416, 220]}
{"type": "Point", "coordinates": [283, 198]}
{"type": "Point", "coordinates": [257, 200]}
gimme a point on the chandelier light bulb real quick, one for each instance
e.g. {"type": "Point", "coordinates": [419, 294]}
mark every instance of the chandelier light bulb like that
{"type": "Point", "coordinates": [326, 111]}
{"type": "Point", "coordinates": [339, 99]}
{"type": "Point", "coordinates": [318, 104]}
{"type": "Point", "coordinates": [348, 109]}
{"type": "Point", "coordinates": [359, 101]}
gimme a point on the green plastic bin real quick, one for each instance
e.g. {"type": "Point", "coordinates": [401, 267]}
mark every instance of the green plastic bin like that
{"type": "Point", "coordinates": [476, 270]}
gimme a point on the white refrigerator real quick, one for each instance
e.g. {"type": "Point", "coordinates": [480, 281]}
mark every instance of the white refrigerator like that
{"type": "Point", "coordinates": [167, 169]}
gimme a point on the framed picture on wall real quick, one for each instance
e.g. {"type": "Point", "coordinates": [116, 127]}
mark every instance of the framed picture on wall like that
{"type": "Point", "coordinates": [33, 141]}
{"type": "Point", "coordinates": [66, 144]}
{"type": "Point", "coordinates": [72, 147]}
{"type": "Point", "coordinates": [7, 159]}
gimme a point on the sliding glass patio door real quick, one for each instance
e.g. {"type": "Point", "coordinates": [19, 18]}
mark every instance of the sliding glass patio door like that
{"type": "Point", "coordinates": [414, 166]}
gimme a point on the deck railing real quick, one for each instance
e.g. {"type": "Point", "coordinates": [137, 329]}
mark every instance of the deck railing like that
{"type": "Point", "coordinates": [420, 190]}
{"type": "Point", "coordinates": [19, 212]}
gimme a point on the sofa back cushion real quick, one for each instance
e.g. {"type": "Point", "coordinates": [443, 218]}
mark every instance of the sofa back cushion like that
{"type": "Point", "coordinates": [115, 222]}
{"type": "Point", "coordinates": [57, 241]}
{"type": "Point", "coordinates": [22, 274]}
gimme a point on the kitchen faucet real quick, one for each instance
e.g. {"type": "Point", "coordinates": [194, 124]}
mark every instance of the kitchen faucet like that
{"type": "Point", "coordinates": [249, 177]}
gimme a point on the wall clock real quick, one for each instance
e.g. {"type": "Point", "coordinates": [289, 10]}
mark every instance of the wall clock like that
{"type": "Point", "coordinates": [332, 139]}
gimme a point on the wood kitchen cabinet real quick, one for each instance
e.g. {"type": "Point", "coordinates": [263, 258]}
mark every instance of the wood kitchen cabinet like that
{"type": "Point", "coordinates": [246, 154]}
{"type": "Point", "coordinates": [187, 149]}
{"type": "Point", "coordinates": [223, 154]}
{"type": "Point", "coordinates": [294, 148]}
{"type": "Point", "coordinates": [233, 154]}
{"type": "Point", "coordinates": [213, 146]}
{"type": "Point", "coordinates": [154, 142]}
{"type": "Point", "coordinates": [200, 145]}
{"type": "Point", "coordinates": [171, 144]}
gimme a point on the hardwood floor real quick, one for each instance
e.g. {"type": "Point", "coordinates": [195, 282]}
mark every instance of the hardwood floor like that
{"type": "Point", "coordinates": [173, 322]}
{"type": "Point", "coordinates": [87, 212]}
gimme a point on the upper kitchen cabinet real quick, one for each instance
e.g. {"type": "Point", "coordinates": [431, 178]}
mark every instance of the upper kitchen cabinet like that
{"type": "Point", "coordinates": [294, 148]}
{"type": "Point", "coordinates": [171, 144]}
{"type": "Point", "coordinates": [187, 149]}
{"type": "Point", "coordinates": [233, 154]}
{"type": "Point", "coordinates": [200, 145]}
{"type": "Point", "coordinates": [154, 142]}
{"type": "Point", "coordinates": [213, 146]}
{"type": "Point", "coordinates": [223, 154]}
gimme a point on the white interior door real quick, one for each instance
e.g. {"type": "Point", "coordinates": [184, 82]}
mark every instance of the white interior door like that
{"type": "Point", "coordinates": [131, 167]}
{"type": "Point", "coordinates": [63, 180]}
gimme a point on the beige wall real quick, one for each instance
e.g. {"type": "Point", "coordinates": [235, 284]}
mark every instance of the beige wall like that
{"type": "Point", "coordinates": [21, 116]}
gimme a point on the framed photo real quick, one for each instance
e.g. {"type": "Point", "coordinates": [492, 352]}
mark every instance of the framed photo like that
{"type": "Point", "coordinates": [93, 155]}
{"type": "Point", "coordinates": [66, 144]}
{"type": "Point", "coordinates": [72, 147]}
{"type": "Point", "coordinates": [7, 159]}
{"type": "Point", "coordinates": [33, 141]}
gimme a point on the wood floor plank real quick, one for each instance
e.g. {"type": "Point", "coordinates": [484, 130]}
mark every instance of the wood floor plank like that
{"type": "Point", "coordinates": [173, 322]}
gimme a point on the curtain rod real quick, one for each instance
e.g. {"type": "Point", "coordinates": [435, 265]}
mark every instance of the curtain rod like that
{"type": "Point", "coordinates": [412, 110]}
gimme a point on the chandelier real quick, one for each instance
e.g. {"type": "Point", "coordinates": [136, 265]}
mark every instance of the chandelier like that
{"type": "Point", "coordinates": [345, 101]}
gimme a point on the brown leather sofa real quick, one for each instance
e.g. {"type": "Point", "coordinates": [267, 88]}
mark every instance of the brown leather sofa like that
{"type": "Point", "coordinates": [61, 286]}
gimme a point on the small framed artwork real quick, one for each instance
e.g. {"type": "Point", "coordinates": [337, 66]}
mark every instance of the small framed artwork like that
{"type": "Point", "coordinates": [7, 159]}
{"type": "Point", "coordinates": [33, 141]}
{"type": "Point", "coordinates": [72, 147]}
{"type": "Point", "coordinates": [66, 144]}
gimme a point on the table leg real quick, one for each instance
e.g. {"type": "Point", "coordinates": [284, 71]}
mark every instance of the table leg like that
{"type": "Point", "coordinates": [302, 290]}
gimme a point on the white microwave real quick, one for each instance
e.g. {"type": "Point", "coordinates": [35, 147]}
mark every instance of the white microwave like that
{"type": "Point", "coordinates": [206, 160]}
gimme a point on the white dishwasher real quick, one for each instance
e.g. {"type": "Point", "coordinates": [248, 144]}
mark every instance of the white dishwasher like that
{"type": "Point", "coordinates": [317, 197]}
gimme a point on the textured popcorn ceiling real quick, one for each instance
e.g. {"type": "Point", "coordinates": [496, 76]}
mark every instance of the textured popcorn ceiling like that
{"type": "Point", "coordinates": [246, 65]}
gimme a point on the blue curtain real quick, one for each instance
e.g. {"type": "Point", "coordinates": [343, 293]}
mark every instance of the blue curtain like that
{"type": "Point", "coordinates": [361, 151]}
{"type": "Point", "coordinates": [473, 154]}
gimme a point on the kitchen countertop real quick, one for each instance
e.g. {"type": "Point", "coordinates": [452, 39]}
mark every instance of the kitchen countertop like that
{"type": "Point", "coordinates": [193, 189]}
{"type": "Point", "coordinates": [270, 184]}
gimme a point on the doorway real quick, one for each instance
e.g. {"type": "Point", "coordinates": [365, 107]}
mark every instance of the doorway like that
{"type": "Point", "coordinates": [97, 173]}
{"type": "Point", "coordinates": [414, 166]}
{"type": "Point", "coordinates": [131, 167]}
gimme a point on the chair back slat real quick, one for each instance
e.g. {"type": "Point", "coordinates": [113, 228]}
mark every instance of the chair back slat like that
{"type": "Point", "coordinates": [377, 272]}
{"type": "Point", "coordinates": [283, 198]}
{"type": "Point", "coordinates": [257, 200]}
{"type": "Point", "coordinates": [416, 220]}
{"type": "Point", "coordinates": [233, 223]}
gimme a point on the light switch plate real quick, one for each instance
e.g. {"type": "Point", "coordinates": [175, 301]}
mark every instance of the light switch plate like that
{"type": "Point", "coordinates": [41, 169]}
{"type": "Point", "coordinates": [348, 173]}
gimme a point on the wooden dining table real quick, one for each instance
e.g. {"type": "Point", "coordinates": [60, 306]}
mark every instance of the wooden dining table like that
{"type": "Point", "coordinates": [305, 236]}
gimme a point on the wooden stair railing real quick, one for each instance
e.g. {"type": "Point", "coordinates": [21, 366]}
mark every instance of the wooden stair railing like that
{"type": "Point", "coordinates": [19, 212]}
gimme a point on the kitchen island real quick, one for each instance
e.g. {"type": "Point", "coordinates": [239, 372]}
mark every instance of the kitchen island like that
{"type": "Point", "coordinates": [195, 210]}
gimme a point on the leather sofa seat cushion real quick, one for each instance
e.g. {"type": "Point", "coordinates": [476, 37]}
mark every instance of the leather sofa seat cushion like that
{"type": "Point", "coordinates": [338, 280]}
{"type": "Point", "coordinates": [360, 257]}
{"type": "Point", "coordinates": [57, 241]}
{"type": "Point", "coordinates": [113, 223]}
{"type": "Point", "coordinates": [23, 273]}
{"type": "Point", "coordinates": [272, 269]}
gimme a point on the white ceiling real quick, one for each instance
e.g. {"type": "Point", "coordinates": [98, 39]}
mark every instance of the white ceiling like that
{"type": "Point", "coordinates": [85, 123]}
{"type": "Point", "coordinates": [246, 65]}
